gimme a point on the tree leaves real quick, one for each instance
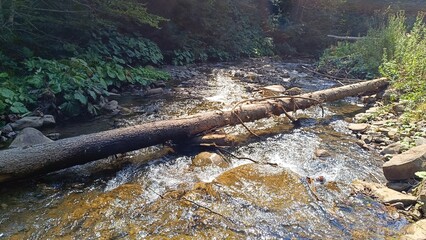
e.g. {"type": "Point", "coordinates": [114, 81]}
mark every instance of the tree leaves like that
{"type": "Point", "coordinates": [81, 98]}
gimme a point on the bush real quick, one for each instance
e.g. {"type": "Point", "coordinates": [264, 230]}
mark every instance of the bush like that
{"type": "Point", "coordinates": [393, 51]}
{"type": "Point", "coordinates": [126, 49]}
{"type": "Point", "coordinates": [406, 68]}
{"type": "Point", "coordinates": [362, 58]}
{"type": "Point", "coordinates": [77, 84]}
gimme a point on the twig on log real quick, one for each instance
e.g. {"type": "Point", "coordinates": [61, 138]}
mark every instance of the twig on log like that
{"type": "Point", "coordinates": [245, 126]}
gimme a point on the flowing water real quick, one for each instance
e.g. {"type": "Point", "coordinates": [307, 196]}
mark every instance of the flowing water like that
{"type": "Point", "coordinates": [288, 194]}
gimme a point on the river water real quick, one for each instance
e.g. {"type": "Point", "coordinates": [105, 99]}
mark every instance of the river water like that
{"type": "Point", "coordinates": [158, 192]}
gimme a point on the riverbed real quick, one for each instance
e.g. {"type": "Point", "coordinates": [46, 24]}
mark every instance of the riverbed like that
{"type": "Point", "coordinates": [287, 192]}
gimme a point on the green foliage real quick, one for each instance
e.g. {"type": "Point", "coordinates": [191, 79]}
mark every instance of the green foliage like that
{"type": "Point", "coordinates": [200, 31]}
{"type": "Point", "coordinates": [393, 51]}
{"type": "Point", "coordinates": [39, 28]}
{"type": "Point", "coordinates": [12, 96]}
{"type": "Point", "coordinates": [421, 175]}
{"type": "Point", "coordinates": [182, 57]}
{"type": "Point", "coordinates": [406, 67]}
{"type": "Point", "coordinates": [79, 84]}
{"type": "Point", "coordinates": [361, 59]}
{"type": "Point", "coordinates": [125, 49]}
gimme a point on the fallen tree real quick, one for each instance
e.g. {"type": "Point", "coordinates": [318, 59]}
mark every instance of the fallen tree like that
{"type": "Point", "coordinates": [48, 157]}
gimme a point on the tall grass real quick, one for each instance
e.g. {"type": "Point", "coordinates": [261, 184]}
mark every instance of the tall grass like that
{"type": "Point", "coordinates": [406, 68]}
{"type": "Point", "coordinates": [362, 59]}
{"type": "Point", "coordinates": [395, 51]}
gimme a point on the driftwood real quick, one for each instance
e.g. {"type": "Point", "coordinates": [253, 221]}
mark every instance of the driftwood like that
{"type": "Point", "coordinates": [43, 158]}
{"type": "Point", "coordinates": [349, 38]}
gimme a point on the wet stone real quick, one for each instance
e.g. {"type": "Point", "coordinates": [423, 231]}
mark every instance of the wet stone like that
{"type": "Point", "coordinates": [205, 159]}
{"type": "Point", "coordinates": [269, 187]}
{"type": "Point", "coordinates": [322, 153]}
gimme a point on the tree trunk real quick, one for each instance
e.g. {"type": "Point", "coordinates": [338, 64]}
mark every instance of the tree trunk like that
{"type": "Point", "coordinates": [1, 15]}
{"type": "Point", "coordinates": [349, 38]}
{"type": "Point", "coordinates": [43, 158]}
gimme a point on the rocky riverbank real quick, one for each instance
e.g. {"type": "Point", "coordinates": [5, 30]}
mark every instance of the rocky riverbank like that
{"type": "Point", "coordinates": [402, 144]}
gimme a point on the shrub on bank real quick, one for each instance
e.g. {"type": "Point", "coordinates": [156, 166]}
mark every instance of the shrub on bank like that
{"type": "Point", "coordinates": [395, 51]}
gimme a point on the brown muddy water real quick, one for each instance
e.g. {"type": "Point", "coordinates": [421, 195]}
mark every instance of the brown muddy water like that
{"type": "Point", "coordinates": [161, 194]}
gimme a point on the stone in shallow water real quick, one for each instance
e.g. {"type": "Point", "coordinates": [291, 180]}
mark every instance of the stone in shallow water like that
{"type": "Point", "coordinates": [322, 153]}
{"type": "Point", "coordinates": [269, 187]}
{"type": "Point", "coordinates": [29, 137]}
{"type": "Point", "coordinates": [205, 159]}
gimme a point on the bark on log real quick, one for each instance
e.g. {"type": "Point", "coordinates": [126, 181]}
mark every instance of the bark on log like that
{"type": "Point", "coordinates": [43, 158]}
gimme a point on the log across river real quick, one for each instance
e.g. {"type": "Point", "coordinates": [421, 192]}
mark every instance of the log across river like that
{"type": "Point", "coordinates": [43, 158]}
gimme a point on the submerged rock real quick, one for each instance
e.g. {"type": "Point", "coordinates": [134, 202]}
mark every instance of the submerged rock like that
{"type": "Point", "coordinates": [322, 153]}
{"type": "Point", "coordinates": [205, 159]}
{"type": "Point", "coordinates": [403, 166]}
{"type": "Point", "coordinates": [29, 137]}
{"type": "Point", "coordinates": [269, 187]}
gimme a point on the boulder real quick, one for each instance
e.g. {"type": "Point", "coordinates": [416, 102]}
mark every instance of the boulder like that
{"type": "Point", "coordinates": [358, 127]}
{"type": "Point", "coordinates": [27, 122]}
{"type": "Point", "coordinates": [415, 231]}
{"type": "Point", "coordinates": [205, 159]}
{"type": "Point", "coordinates": [29, 137]}
{"type": "Point", "coordinates": [32, 122]}
{"type": "Point", "coordinates": [403, 166]}
{"type": "Point", "coordinates": [383, 194]}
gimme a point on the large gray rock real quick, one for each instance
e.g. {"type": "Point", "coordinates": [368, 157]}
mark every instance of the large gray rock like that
{"type": "Point", "coordinates": [403, 166]}
{"type": "Point", "coordinates": [34, 122]}
{"type": "Point", "coordinates": [29, 137]}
